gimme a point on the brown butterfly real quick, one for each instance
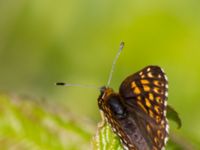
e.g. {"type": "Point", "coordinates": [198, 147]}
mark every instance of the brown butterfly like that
{"type": "Point", "coordinates": [137, 113]}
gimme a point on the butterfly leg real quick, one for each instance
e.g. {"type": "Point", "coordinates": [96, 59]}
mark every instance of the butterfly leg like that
{"type": "Point", "coordinates": [103, 120]}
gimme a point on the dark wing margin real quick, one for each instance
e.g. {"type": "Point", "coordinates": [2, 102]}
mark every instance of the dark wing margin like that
{"type": "Point", "coordinates": [146, 93]}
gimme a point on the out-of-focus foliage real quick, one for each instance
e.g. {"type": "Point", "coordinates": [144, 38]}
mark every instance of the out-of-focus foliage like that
{"type": "Point", "coordinates": [30, 124]}
{"type": "Point", "coordinates": [42, 42]}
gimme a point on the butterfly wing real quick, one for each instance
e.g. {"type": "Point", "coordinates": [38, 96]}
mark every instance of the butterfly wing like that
{"type": "Point", "coordinates": [145, 96]}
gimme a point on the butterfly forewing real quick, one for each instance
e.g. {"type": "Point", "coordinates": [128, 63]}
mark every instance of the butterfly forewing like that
{"type": "Point", "coordinates": [145, 95]}
{"type": "Point", "coordinates": [137, 113]}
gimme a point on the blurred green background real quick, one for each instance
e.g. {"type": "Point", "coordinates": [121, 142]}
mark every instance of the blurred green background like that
{"type": "Point", "coordinates": [45, 41]}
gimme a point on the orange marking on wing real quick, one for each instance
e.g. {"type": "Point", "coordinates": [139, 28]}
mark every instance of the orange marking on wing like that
{"type": "Point", "coordinates": [142, 106]}
{"type": "Point", "coordinates": [148, 128]}
{"type": "Point", "coordinates": [158, 99]}
{"type": "Point", "coordinates": [143, 81]}
{"type": "Point", "coordinates": [133, 84]}
{"type": "Point", "coordinates": [157, 109]}
{"type": "Point", "coordinates": [151, 113]}
{"type": "Point", "coordinates": [147, 103]}
{"type": "Point", "coordinates": [139, 98]}
{"type": "Point", "coordinates": [151, 97]}
{"type": "Point", "coordinates": [157, 83]}
{"type": "Point", "coordinates": [158, 119]}
{"type": "Point", "coordinates": [146, 88]}
{"type": "Point", "coordinates": [156, 90]}
{"type": "Point", "coordinates": [137, 90]}
{"type": "Point", "coordinates": [156, 140]}
{"type": "Point", "coordinates": [160, 134]}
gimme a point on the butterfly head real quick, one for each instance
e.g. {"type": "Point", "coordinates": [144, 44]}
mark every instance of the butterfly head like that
{"type": "Point", "coordinates": [105, 93]}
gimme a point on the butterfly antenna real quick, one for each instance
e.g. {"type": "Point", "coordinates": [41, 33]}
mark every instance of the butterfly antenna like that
{"type": "Point", "coordinates": [114, 62]}
{"type": "Point", "coordinates": [77, 85]}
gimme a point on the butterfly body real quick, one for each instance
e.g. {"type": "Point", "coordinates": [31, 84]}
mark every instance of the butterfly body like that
{"type": "Point", "coordinates": [137, 114]}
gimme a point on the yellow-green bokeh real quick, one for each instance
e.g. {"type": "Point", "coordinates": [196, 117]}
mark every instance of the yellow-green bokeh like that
{"type": "Point", "coordinates": [42, 42]}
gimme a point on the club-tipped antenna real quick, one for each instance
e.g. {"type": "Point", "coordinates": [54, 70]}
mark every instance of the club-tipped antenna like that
{"type": "Point", "coordinates": [76, 85]}
{"type": "Point", "coordinates": [114, 62]}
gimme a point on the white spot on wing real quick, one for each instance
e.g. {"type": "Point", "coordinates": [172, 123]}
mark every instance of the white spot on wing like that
{"type": "Point", "coordinates": [165, 103]}
{"type": "Point", "coordinates": [166, 78]}
{"type": "Point", "coordinates": [166, 94]}
{"type": "Point", "coordinates": [166, 139]}
{"type": "Point", "coordinates": [150, 75]}
{"type": "Point", "coordinates": [167, 128]}
{"type": "Point", "coordinates": [163, 148]}
{"type": "Point", "coordinates": [165, 113]}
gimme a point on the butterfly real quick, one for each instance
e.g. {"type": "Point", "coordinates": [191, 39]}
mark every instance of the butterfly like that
{"type": "Point", "coordinates": [137, 114]}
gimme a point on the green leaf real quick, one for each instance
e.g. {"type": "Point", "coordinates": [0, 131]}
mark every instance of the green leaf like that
{"type": "Point", "coordinates": [105, 139]}
{"type": "Point", "coordinates": [31, 124]}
